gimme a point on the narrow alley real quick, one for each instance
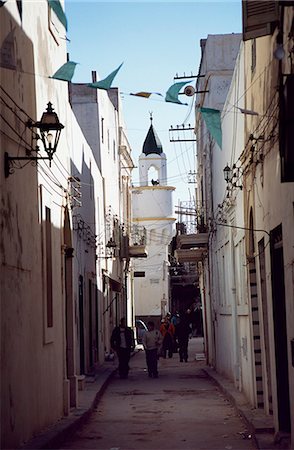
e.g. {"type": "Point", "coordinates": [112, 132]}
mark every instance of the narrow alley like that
{"type": "Point", "coordinates": [147, 180]}
{"type": "Point", "coordinates": [182, 409]}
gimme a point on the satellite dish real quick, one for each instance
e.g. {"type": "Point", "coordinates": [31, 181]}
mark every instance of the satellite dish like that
{"type": "Point", "coordinates": [189, 91]}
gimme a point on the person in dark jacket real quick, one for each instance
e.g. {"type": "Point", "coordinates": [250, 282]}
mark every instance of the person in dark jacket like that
{"type": "Point", "coordinates": [182, 333]}
{"type": "Point", "coordinates": [167, 330]}
{"type": "Point", "coordinates": [123, 343]}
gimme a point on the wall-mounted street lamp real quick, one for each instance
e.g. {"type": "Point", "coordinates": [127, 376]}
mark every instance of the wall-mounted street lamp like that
{"type": "Point", "coordinates": [228, 173]}
{"type": "Point", "coordinates": [232, 176]}
{"type": "Point", "coordinates": [50, 129]}
{"type": "Point", "coordinates": [111, 243]}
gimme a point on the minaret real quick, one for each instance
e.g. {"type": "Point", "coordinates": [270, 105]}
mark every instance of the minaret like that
{"type": "Point", "coordinates": [152, 157]}
{"type": "Point", "coordinates": [153, 209]}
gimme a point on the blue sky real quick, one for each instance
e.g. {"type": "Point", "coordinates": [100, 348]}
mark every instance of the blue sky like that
{"type": "Point", "coordinates": [155, 41]}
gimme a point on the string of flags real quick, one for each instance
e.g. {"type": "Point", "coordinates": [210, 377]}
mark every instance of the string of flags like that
{"type": "Point", "coordinates": [66, 73]}
{"type": "Point", "coordinates": [212, 117]}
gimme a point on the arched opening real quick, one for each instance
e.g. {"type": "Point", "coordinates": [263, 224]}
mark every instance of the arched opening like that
{"type": "Point", "coordinates": [153, 176]}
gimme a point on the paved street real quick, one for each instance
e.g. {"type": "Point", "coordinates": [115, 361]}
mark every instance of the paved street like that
{"type": "Point", "coordinates": [182, 409]}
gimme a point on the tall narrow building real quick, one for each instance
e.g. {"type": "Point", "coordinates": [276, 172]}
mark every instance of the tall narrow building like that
{"type": "Point", "coordinates": [153, 209]}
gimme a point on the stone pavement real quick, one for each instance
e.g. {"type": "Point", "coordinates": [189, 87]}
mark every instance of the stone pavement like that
{"type": "Point", "coordinates": [259, 425]}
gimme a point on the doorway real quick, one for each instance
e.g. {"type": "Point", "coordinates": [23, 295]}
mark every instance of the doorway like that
{"type": "Point", "coordinates": [280, 328]}
{"type": "Point", "coordinates": [69, 309]}
{"type": "Point", "coordinates": [81, 327]}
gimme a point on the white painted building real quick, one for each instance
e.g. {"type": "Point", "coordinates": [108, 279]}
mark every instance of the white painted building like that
{"type": "Point", "coordinates": [219, 53]}
{"type": "Point", "coordinates": [38, 320]}
{"type": "Point", "coordinates": [268, 177]}
{"type": "Point", "coordinates": [153, 209]}
{"type": "Point", "coordinates": [99, 115]}
{"type": "Point", "coordinates": [57, 294]}
{"type": "Point", "coordinates": [246, 281]}
{"type": "Point", "coordinates": [229, 313]}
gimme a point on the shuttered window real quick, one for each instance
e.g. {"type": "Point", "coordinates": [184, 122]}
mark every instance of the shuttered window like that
{"type": "Point", "coordinates": [287, 130]}
{"type": "Point", "coordinates": [259, 18]}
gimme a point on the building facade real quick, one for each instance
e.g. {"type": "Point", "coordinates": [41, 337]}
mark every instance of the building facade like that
{"type": "Point", "coordinates": [268, 176]}
{"type": "Point", "coordinates": [64, 284]}
{"type": "Point", "coordinates": [152, 208]}
{"type": "Point", "coordinates": [245, 279]}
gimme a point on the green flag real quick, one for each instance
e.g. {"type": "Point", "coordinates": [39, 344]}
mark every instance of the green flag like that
{"type": "Point", "coordinates": [57, 8]}
{"type": "Point", "coordinates": [173, 92]}
{"type": "Point", "coordinates": [212, 118]}
{"type": "Point", "coordinates": [145, 94]}
{"type": "Point", "coordinates": [65, 72]}
{"type": "Point", "coordinates": [106, 82]}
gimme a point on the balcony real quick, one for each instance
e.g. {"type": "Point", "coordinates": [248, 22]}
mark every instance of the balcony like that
{"type": "Point", "coordinates": [138, 251]}
{"type": "Point", "coordinates": [190, 254]}
{"type": "Point", "coordinates": [188, 241]}
{"type": "Point", "coordinates": [133, 243]}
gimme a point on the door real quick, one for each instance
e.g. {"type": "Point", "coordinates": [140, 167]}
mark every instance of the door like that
{"type": "Point", "coordinates": [69, 308]}
{"type": "Point", "coordinates": [81, 327]}
{"type": "Point", "coordinates": [280, 328]}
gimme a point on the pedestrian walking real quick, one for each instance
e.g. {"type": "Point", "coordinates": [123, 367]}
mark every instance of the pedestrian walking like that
{"type": "Point", "coordinates": [152, 340]}
{"type": "Point", "coordinates": [167, 330]}
{"type": "Point", "coordinates": [182, 333]}
{"type": "Point", "coordinates": [122, 341]}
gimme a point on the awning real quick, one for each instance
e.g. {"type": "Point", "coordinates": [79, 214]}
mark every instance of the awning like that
{"type": "Point", "coordinates": [115, 285]}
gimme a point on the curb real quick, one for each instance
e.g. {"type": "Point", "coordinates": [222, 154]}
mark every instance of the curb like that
{"type": "Point", "coordinates": [53, 437]}
{"type": "Point", "coordinates": [241, 405]}
{"type": "Point", "coordinates": [56, 434]}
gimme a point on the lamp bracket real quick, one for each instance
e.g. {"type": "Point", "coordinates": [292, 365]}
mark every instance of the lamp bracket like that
{"type": "Point", "coordinates": [49, 122]}
{"type": "Point", "coordinates": [9, 166]}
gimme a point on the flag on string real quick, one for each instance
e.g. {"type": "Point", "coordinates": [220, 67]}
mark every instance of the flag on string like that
{"type": "Point", "coordinates": [145, 94]}
{"type": "Point", "coordinates": [106, 82]}
{"type": "Point", "coordinates": [247, 111]}
{"type": "Point", "coordinates": [65, 72]}
{"type": "Point", "coordinates": [173, 92]}
{"type": "Point", "coordinates": [212, 118]}
{"type": "Point", "coordinates": [57, 8]}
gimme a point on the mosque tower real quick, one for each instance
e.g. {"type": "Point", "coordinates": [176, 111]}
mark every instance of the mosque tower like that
{"type": "Point", "coordinates": [153, 209]}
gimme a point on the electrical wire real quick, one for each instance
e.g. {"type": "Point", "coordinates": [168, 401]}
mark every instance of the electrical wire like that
{"type": "Point", "coordinates": [13, 129]}
{"type": "Point", "coordinates": [14, 102]}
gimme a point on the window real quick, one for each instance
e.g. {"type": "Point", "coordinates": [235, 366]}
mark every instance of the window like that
{"type": "Point", "coordinates": [114, 150]}
{"type": "Point", "coordinates": [7, 51]}
{"type": "Point", "coordinates": [48, 243]}
{"type": "Point", "coordinates": [259, 18]}
{"type": "Point", "coordinates": [287, 130]}
{"type": "Point", "coordinates": [102, 129]}
{"type": "Point", "coordinates": [253, 55]}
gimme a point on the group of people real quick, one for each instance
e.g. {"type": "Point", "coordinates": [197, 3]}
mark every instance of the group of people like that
{"type": "Point", "coordinates": [172, 336]}
{"type": "Point", "coordinates": [176, 330]}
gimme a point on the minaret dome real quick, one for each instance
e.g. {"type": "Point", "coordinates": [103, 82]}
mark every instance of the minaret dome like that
{"type": "Point", "coordinates": [152, 143]}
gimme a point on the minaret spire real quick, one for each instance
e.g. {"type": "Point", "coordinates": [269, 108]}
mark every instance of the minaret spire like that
{"type": "Point", "coordinates": [152, 143]}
